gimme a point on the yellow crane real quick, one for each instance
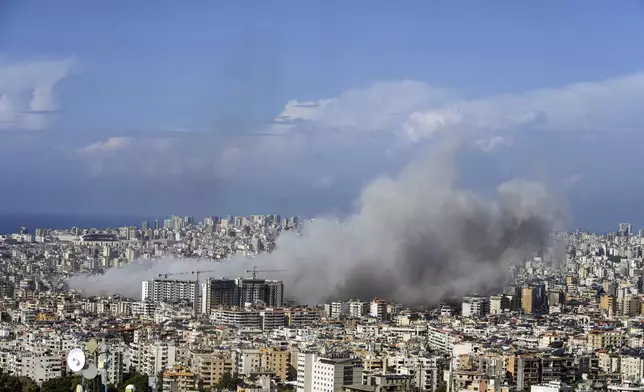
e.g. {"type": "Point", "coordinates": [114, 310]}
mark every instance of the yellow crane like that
{"type": "Point", "coordinates": [254, 271]}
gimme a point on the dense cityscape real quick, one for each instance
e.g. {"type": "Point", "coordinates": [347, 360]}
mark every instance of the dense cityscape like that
{"type": "Point", "coordinates": [568, 321]}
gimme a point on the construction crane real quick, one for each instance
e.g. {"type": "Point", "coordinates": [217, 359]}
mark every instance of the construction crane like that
{"type": "Point", "coordinates": [254, 271]}
{"type": "Point", "coordinates": [196, 272]}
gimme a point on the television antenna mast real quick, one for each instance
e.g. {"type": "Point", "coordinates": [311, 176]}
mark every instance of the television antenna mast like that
{"type": "Point", "coordinates": [77, 361]}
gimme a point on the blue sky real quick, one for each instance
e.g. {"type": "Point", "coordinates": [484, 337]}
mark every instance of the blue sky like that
{"type": "Point", "coordinates": [158, 107]}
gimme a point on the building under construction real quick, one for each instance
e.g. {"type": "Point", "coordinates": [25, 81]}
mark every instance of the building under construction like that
{"type": "Point", "coordinates": [241, 291]}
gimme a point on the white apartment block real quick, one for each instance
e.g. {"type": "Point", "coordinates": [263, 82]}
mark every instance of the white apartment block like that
{"type": "Point", "coordinates": [143, 308]}
{"type": "Point", "coordinates": [247, 360]}
{"type": "Point", "coordinates": [357, 309]}
{"type": "Point", "coordinates": [241, 318]}
{"type": "Point", "coordinates": [317, 373]}
{"type": "Point", "coordinates": [442, 340]}
{"type": "Point", "coordinates": [552, 386]}
{"type": "Point", "coordinates": [272, 319]}
{"type": "Point", "coordinates": [336, 309]}
{"type": "Point", "coordinates": [171, 291]}
{"type": "Point", "coordinates": [38, 367]}
{"type": "Point", "coordinates": [378, 309]}
{"type": "Point", "coordinates": [426, 372]}
{"type": "Point", "coordinates": [475, 306]}
{"type": "Point", "coordinates": [153, 357]}
{"type": "Point", "coordinates": [632, 368]}
{"type": "Point", "coordinates": [115, 363]}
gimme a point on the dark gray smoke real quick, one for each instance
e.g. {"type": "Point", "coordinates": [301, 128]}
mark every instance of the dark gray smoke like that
{"type": "Point", "coordinates": [417, 239]}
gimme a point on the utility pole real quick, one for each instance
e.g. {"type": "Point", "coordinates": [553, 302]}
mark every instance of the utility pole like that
{"type": "Point", "coordinates": [106, 353]}
{"type": "Point", "coordinates": [97, 381]}
{"type": "Point", "coordinates": [450, 379]}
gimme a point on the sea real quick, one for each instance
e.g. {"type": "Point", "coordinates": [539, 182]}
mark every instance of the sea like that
{"type": "Point", "coordinates": [11, 222]}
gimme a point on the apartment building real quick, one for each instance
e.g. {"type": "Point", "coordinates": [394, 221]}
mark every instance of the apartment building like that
{"type": "Point", "coordinates": [179, 379]}
{"type": "Point", "coordinates": [475, 306]}
{"type": "Point", "coordinates": [327, 373]}
{"type": "Point", "coordinates": [239, 292]}
{"type": "Point", "coordinates": [38, 367]}
{"type": "Point", "coordinates": [210, 365]}
{"type": "Point", "coordinates": [172, 291]}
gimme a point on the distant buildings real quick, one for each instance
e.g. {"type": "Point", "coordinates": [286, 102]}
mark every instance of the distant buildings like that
{"type": "Point", "coordinates": [574, 319]}
{"type": "Point", "coordinates": [625, 229]}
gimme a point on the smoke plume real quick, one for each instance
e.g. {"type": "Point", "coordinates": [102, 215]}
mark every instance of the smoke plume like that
{"type": "Point", "coordinates": [417, 238]}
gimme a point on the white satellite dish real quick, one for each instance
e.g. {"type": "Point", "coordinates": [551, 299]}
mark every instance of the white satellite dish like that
{"type": "Point", "coordinates": [76, 360]}
{"type": "Point", "coordinates": [90, 372]}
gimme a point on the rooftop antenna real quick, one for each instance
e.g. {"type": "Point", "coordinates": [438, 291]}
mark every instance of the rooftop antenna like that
{"type": "Point", "coordinates": [77, 363]}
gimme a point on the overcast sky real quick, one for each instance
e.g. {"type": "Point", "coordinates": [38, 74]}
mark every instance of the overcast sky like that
{"type": "Point", "coordinates": [213, 107]}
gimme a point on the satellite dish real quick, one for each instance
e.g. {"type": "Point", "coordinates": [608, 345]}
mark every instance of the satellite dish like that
{"type": "Point", "coordinates": [90, 372]}
{"type": "Point", "coordinates": [76, 360]}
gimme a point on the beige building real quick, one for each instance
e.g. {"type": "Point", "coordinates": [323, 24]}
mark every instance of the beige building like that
{"type": "Point", "coordinates": [525, 370]}
{"type": "Point", "coordinates": [179, 379]}
{"type": "Point", "coordinates": [602, 339]}
{"type": "Point", "coordinates": [209, 366]}
{"type": "Point", "coordinates": [528, 299]}
{"type": "Point", "coordinates": [276, 360]}
{"type": "Point", "coordinates": [499, 303]}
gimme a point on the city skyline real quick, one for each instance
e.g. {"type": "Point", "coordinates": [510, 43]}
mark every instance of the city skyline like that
{"type": "Point", "coordinates": [489, 308]}
{"type": "Point", "coordinates": [321, 196]}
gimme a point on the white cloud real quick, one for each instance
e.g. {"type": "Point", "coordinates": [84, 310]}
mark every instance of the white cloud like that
{"type": "Point", "coordinates": [421, 124]}
{"type": "Point", "coordinates": [159, 157]}
{"type": "Point", "coordinates": [111, 144]}
{"type": "Point", "coordinates": [27, 98]}
{"type": "Point", "coordinates": [314, 140]}
{"type": "Point", "coordinates": [610, 105]}
{"type": "Point", "coordinates": [400, 114]}
{"type": "Point", "coordinates": [417, 111]}
{"type": "Point", "coordinates": [492, 143]}
{"type": "Point", "coordinates": [378, 107]}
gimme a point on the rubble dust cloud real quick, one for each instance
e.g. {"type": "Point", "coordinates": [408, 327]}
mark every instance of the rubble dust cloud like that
{"type": "Point", "coordinates": [417, 239]}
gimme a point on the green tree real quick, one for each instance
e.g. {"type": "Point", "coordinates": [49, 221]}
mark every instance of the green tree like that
{"type": "Point", "coordinates": [285, 388]}
{"type": "Point", "coordinates": [228, 381]}
{"type": "Point", "coordinates": [442, 388]}
{"type": "Point", "coordinates": [160, 382]}
{"type": "Point", "coordinates": [10, 383]}
{"type": "Point", "coordinates": [292, 373]}
{"type": "Point", "coordinates": [69, 383]}
{"type": "Point", "coordinates": [28, 385]}
{"type": "Point", "coordinates": [140, 381]}
{"type": "Point", "coordinates": [61, 384]}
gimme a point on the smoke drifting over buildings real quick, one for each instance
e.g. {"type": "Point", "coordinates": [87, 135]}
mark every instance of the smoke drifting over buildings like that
{"type": "Point", "coordinates": [417, 238]}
